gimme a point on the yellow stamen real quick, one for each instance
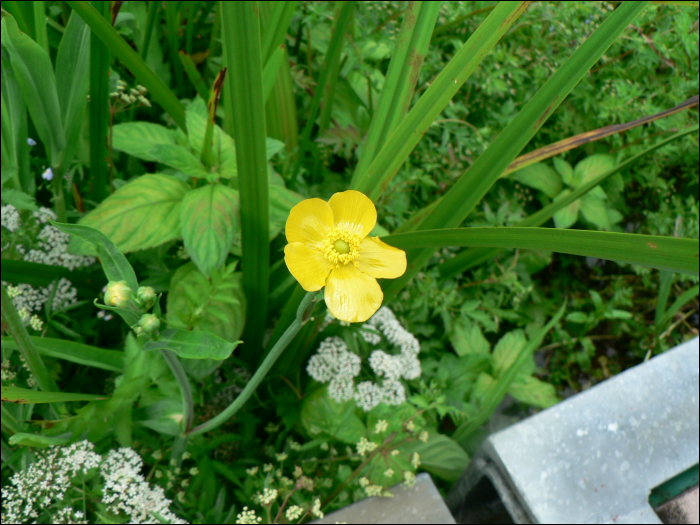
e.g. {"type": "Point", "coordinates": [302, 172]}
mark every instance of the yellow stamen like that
{"type": "Point", "coordinates": [342, 247]}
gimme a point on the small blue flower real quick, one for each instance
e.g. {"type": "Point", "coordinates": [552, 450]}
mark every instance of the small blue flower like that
{"type": "Point", "coordinates": [48, 174]}
{"type": "Point", "coordinates": [31, 142]}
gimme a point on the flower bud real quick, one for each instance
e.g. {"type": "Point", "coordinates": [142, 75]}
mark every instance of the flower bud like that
{"type": "Point", "coordinates": [149, 323]}
{"type": "Point", "coordinates": [146, 296]}
{"type": "Point", "coordinates": [118, 294]}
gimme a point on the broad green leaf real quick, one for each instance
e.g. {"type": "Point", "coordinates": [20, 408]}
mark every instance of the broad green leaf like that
{"type": "Point", "coordinates": [534, 392]}
{"type": "Point", "coordinates": [576, 317]}
{"type": "Point", "coordinates": [137, 138]}
{"type": "Point", "coordinates": [468, 339]}
{"type": "Point", "coordinates": [72, 80]}
{"type": "Point", "coordinates": [13, 394]}
{"type": "Point", "coordinates": [482, 387]}
{"type": "Point", "coordinates": [594, 211]}
{"type": "Point", "coordinates": [192, 345]}
{"type": "Point", "coordinates": [19, 199]}
{"type": "Point", "coordinates": [34, 73]}
{"type": "Point", "coordinates": [216, 305]}
{"type": "Point", "coordinates": [592, 167]}
{"type": "Point", "coordinates": [668, 253]}
{"type": "Point", "coordinates": [209, 219]}
{"type": "Point", "coordinates": [74, 352]}
{"type": "Point", "coordinates": [114, 264]}
{"type": "Point", "coordinates": [142, 214]}
{"type": "Point", "coordinates": [540, 177]}
{"type": "Point", "coordinates": [320, 414]}
{"type": "Point", "coordinates": [164, 416]}
{"type": "Point", "coordinates": [568, 215]}
{"type": "Point", "coordinates": [507, 350]}
{"type": "Point", "coordinates": [179, 158]}
{"type": "Point", "coordinates": [441, 456]}
{"type": "Point", "coordinates": [564, 169]}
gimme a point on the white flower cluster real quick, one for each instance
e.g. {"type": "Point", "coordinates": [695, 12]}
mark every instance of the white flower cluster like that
{"type": "Point", "coordinates": [48, 480]}
{"type": "Point", "coordinates": [336, 365]}
{"type": "Point", "coordinates": [127, 490]}
{"type": "Point", "coordinates": [10, 218]}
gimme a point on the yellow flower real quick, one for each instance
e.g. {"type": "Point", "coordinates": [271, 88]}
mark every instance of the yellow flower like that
{"type": "Point", "coordinates": [328, 246]}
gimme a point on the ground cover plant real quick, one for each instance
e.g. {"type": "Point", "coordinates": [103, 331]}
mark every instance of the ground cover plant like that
{"type": "Point", "coordinates": [264, 259]}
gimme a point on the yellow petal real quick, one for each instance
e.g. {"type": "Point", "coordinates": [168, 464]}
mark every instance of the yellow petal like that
{"type": "Point", "coordinates": [354, 212]}
{"type": "Point", "coordinates": [309, 222]}
{"type": "Point", "coordinates": [307, 265]}
{"type": "Point", "coordinates": [379, 260]}
{"type": "Point", "coordinates": [351, 295]}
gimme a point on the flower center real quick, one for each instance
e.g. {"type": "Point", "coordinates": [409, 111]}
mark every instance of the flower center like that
{"type": "Point", "coordinates": [341, 247]}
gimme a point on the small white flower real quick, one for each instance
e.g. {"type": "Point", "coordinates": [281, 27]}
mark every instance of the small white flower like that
{"type": "Point", "coordinates": [48, 174]}
{"type": "Point", "coordinates": [381, 426]}
{"type": "Point", "coordinates": [294, 513]}
{"type": "Point", "coordinates": [316, 509]}
{"type": "Point", "coordinates": [31, 141]}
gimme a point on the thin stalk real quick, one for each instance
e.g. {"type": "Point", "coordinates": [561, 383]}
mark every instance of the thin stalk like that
{"type": "Point", "coordinates": [17, 330]}
{"type": "Point", "coordinates": [184, 384]}
{"type": "Point", "coordinates": [303, 313]}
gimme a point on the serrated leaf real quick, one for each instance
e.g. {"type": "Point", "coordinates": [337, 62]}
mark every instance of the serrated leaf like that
{"type": "Point", "coordinates": [319, 413]}
{"type": "Point", "coordinates": [210, 222]}
{"type": "Point", "coordinates": [137, 138]}
{"type": "Point", "coordinates": [468, 339]}
{"type": "Point", "coordinates": [540, 177]}
{"type": "Point", "coordinates": [193, 345]}
{"type": "Point", "coordinates": [534, 392]}
{"type": "Point", "coordinates": [142, 214]}
{"type": "Point", "coordinates": [19, 199]}
{"type": "Point", "coordinates": [178, 157]}
{"type": "Point", "coordinates": [216, 306]}
{"type": "Point", "coordinates": [564, 169]}
{"type": "Point", "coordinates": [482, 387]}
{"type": "Point", "coordinates": [591, 167]}
{"type": "Point", "coordinates": [568, 215]}
{"type": "Point", "coordinates": [594, 211]}
{"type": "Point", "coordinates": [507, 350]}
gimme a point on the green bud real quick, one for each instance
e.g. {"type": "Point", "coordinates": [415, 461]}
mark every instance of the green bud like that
{"type": "Point", "coordinates": [148, 323]}
{"type": "Point", "coordinates": [118, 294]}
{"type": "Point", "coordinates": [146, 296]}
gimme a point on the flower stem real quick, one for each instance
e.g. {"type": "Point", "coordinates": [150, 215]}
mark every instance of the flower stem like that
{"type": "Point", "coordinates": [16, 328]}
{"type": "Point", "coordinates": [184, 384]}
{"type": "Point", "coordinates": [303, 314]}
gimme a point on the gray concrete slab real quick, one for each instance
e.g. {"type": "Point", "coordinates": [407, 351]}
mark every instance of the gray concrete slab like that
{"type": "Point", "coordinates": [595, 457]}
{"type": "Point", "coordinates": [421, 503]}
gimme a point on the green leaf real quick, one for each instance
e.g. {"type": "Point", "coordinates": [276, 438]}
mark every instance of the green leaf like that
{"type": "Point", "coordinates": [193, 345]}
{"type": "Point", "coordinates": [592, 167]}
{"type": "Point", "coordinates": [577, 317]}
{"type": "Point", "coordinates": [507, 350]}
{"type": "Point", "coordinates": [179, 158]}
{"type": "Point", "coordinates": [540, 177]}
{"type": "Point", "coordinates": [223, 147]}
{"type": "Point", "coordinates": [568, 215]}
{"type": "Point", "coordinates": [137, 138]}
{"type": "Point", "coordinates": [534, 392]}
{"type": "Point", "coordinates": [19, 199]}
{"type": "Point", "coordinates": [468, 339]}
{"type": "Point", "coordinates": [669, 253]}
{"type": "Point", "coordinates": [74, 352]}
{"type": "Point", "coordinates": [282, 201]}
{"type": "Point", "coordinates": [209, 219]}
{"type": "Point", "coordinates": [564, 169]}
{"type": "Point", "coordinates": [594, 211]}
{"type": "Point", "coordinates": [142, 214]}
{"type": "Point", "coordinates": [114, 264]}
{"type": "Point", "coordinates": [38, 440]}
{"type": "Point", "coordinates": [441, 456]}
{"type": "Point", "coordinates": [72, 80]}
{"type": "Point", "coordinates": [13, 394]}
{"type": "Point", "coordinates": [34, 73]}
{"type": "Point", "coordinates": [216, 305]}
{"type": "Point", "coordinates": [319, 413]}
{"type": "Point", "coordinates": [271, 70]}
{"type": "Point", "coordinates": [164, 416]}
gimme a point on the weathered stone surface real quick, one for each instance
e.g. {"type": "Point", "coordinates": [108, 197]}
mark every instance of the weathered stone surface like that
{"type": "Point", "coordinates": [421, 503]}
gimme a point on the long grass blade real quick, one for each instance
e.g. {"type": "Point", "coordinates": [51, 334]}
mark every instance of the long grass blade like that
{"type": "Point", "coordinates": [276, 17]}
{"type": "Point", "coordinates": [474, 256]}
{"type": "Point", "coordinates": [99, 110]}
{"type": "Point", "coordinates": [471, 187]}
{"type": "Point", "coordinates": [404, 69]}
{"type": "Point", "coordinates": [655, 251]}
{"type": "Point", "coordinates": [448, 82]}
{"type": "Point", "coordinates": [159, 92]}
{"type": "Point", "coordinates": [241, 41]}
